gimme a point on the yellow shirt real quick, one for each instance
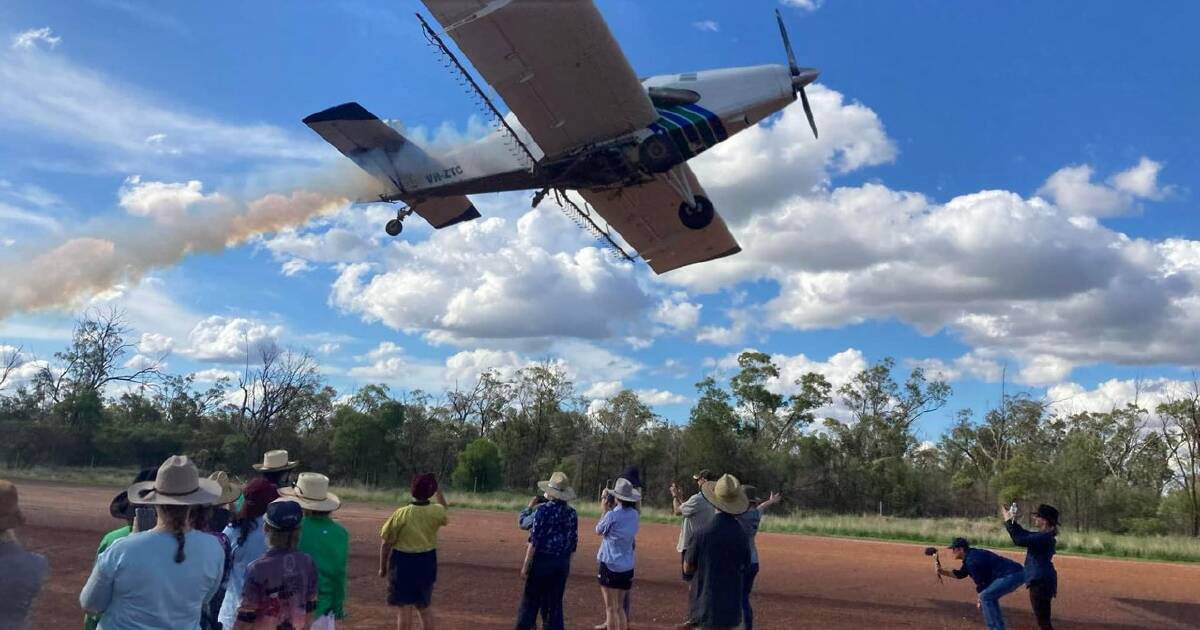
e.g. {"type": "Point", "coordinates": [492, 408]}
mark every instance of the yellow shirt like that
{"type": "Point", "coordinates": [413, 528]}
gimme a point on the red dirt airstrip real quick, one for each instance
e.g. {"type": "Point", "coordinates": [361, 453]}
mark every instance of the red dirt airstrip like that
{"type": "Point", "coordinates": [805, 582]}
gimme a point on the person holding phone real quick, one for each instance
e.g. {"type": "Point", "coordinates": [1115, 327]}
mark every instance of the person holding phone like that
{"type": "Point", "coordinates": [618, 529]}
{"type": "Point", "coordinates": [553, 538]}
{"type": "Point", "coordinates": [1041, 578]}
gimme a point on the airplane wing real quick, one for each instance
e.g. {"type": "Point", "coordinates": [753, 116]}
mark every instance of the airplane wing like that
{"type": "Point", "coordinates": [647, 217]}
{"type": "Point", "coordinates": [555, 64]}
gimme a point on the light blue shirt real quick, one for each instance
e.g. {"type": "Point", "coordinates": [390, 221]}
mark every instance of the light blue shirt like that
{"type": "Point", "coordinates": [618, 526]}
{"type": "Point", "coordinates": [137, 584]}
{"type": "Point", "coordinates": [243, 554]}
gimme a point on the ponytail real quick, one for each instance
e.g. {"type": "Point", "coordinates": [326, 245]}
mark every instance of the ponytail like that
{"type": "Point", "coordinates": [176, 518]}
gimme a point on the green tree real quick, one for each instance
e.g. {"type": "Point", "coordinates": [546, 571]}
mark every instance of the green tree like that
{"type": "Point", "coordinates": [479, 468]}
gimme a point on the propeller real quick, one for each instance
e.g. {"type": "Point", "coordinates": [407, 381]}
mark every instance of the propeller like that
{"type": "Point", "coordinates": [800, 76]}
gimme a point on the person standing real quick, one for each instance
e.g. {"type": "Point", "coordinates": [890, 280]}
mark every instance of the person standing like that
{"type": "Point", "coordinates": [408, 554]}
{"type": "Point", "coordinates": [618, 528]}
{"type": "Point", "coordinates": [119, 508]}
{"type": "Point", "coordinates": [1041, 578]}
{"type": "Point", "coordinates": [553, 538]}
{"type": "Point", "coordinates": [276, 467]}
{"type": "Point", "coordinates": [696, 511]}
{"type": "Point", "coordinates": [718, 558]}
{"type": "Point", "coordinates": [248, 542]}
{"type": "Point", "coordinates": [750, 520]}
{"type": "Point", "coordinates": [204, 518]}
{"type": "Point", "coordinates": [326, 542]}
{"type": "Point", "coordinates": [23, 572]}
{"type": "Point", "coordinates": [159, 578]}
{"type": "Point", "coordinates": [281, 587]}
{"type": "Point", "coordinates": [995, 576]}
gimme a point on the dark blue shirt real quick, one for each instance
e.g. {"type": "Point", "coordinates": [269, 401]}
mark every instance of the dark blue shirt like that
{"type": "Point", "coordinates": [985, 567]}
{"type": "Point", "coordinates": [555, 529]}
{"type": "Point", "coordinates": [1039, 553]}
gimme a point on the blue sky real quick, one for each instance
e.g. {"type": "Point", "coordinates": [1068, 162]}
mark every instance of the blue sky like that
{"type": "Point", "coordinates": [997, 186]}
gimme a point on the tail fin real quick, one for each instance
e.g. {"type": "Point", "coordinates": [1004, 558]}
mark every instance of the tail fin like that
{"type": "Point", "coordinates": [381, 151]}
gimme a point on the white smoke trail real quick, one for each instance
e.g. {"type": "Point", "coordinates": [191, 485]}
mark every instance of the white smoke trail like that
{"type": "Point", "coordinates": [63, 273]}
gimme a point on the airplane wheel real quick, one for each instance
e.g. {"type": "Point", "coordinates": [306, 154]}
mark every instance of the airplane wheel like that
{"type": "Point", "coordinates": [658, 154]}
{"type": "Point", "coordinates": [699, 216]}
{"type": "Point", "coordinates": [394, 227]}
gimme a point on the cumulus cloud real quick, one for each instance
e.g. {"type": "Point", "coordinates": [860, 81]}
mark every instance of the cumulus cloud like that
{"type": "Point", "coordinates": [155, 344]}
{"type": "Point", "coordinates": [212, 375]}
{"type": "Point", "coordinates": [228, 340]}
{"type": "Point", "coordinates": [33, 38]}
{"type": "Point", "coordinates": [976, 364]}
{"type": "Point", "coordinates": [603, 389]}
{"type": "Point", "coordinates": [1070, 398]}
{"type": "Point", "coordinates": [659, 397]}
{"type": "Point", "coordinates": [162, 201]}
{"type": "Point", "coordinates": [708, 26]}
{"type": "Point", "coordinates": [677, 313]}
{"type": "Point", "coordinates": [1072, 189]}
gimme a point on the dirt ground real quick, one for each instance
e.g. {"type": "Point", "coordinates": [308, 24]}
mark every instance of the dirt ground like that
{"type": "Point", "coordinates": [805, 581]}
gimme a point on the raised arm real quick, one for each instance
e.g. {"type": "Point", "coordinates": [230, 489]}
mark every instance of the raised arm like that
{"type": "Point", "coordinates": [774, 498]}
{"type": "Point", "coordinates": [676, 500]}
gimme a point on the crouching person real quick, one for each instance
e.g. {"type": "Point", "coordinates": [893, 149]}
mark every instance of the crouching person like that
{"type": "Point", "coordinates": [995, 576]}
{"type": "Point", "coordinates": [281, 586]}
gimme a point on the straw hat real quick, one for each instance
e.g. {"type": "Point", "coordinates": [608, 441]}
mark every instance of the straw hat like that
{"type": "Point", "coordinates": [312, 493]}
{"type": "Point", "coordinates": [275, 460]}
{"type": "Point", "coordinates": [229, 490]}
{"type": "Point", "coordinates": [177, 483]}
{"type": "Point", "coordinates": [557, 487]}
{"type": "Point", "coordinates": [10, 512]}
{"type": "Point", "coordinates": [726, 494]}
{"type": "Point", "coordinates": [624, 491]}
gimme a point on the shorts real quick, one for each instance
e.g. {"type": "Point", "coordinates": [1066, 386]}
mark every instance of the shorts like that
{"type": "Point", "coordinates": [411, 577]}
{"type": "Point", "coordinates": [611, 579]}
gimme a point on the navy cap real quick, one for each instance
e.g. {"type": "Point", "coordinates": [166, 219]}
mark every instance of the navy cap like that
{"type": "Point", "coordinates": [284, 515]}
{"type": "Point", "coordinates": [959, 543]}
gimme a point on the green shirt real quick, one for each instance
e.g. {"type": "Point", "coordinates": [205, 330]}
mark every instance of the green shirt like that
{"type": "Point", "coordinates": [91, 621]}
{"type": "Point", "coordinates": [328, 544]}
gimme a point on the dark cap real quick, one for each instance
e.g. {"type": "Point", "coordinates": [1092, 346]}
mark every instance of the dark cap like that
{"type": "Point", "coordinates": [1048, 512]}
{"type": "Point", "coordinates": [633, 476]}
{"type": "Point", "coordinates": [703, 475]}
{"type": "Point", "coordinates": [959, 543]}
{"type": "Point", "coordinates": [284, 515]}
{"type": "Point", "coordinates": [120, 507]}
{"type": "Point", "coordinates": [424, 486]}
{"type": "Point", "coordinates": [257, 497]}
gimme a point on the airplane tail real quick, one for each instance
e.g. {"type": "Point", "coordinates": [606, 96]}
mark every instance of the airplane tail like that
{"type": "Point", "coordinates": [382, 152]}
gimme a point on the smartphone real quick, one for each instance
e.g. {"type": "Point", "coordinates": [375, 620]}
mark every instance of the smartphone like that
{"type": "Point", "coordinates": [539, 499]}
{"type": "Point", "coordinates": [145, 518]}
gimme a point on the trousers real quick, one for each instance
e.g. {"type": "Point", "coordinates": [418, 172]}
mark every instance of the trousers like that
{"type": "Point", "coordinates": [747, 611]}
{"type": "Point", "coordinates": [1040, 596]}
{"type": "Point", "coordinates": [989, 598]}
{"type": "Point", "coordinates": [544, 588]}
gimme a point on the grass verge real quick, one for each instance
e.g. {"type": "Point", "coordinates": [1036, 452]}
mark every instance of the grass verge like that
{"type": "Point", "coordinates": [936, 531]}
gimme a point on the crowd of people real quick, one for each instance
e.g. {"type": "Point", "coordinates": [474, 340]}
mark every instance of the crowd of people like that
{"type": "Point", "coordinates": [206, 554]}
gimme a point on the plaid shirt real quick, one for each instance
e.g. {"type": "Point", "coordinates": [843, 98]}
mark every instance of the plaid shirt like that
{"type": "Point", "coordinates": [555, 529]}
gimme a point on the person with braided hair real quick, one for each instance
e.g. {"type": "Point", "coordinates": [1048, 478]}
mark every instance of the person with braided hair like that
{"type": "Point", "coordinates": [248, 543]}
{"type": "Point", "coordinates": [161, 578]}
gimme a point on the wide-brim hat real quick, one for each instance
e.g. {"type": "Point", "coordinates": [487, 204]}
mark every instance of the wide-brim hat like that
{"type": "Point", "coordinates": [120, 507]}
{"type": "Point", "coordinates": [10, 509]}
{"type": "Point", "coordinates": [726, 494]}
{"type": "Point", "coordinates": [312, 493]}
{"type": "Point", "coordinates": [1048, 512]}
{"type": "Point", "coordinates": [275, 461]}
{"type": "Point", "coordinates": [624, 491]}
{"type": "Point", "coordinates": [177, 483]}
{"type": "Point", "coordinates": [229, 490]}
{"type": "Point", "coordinates": [558, 486]}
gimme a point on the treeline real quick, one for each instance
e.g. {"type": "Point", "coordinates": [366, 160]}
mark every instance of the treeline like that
{"type": "Point", "coordinates": [1126, 470]}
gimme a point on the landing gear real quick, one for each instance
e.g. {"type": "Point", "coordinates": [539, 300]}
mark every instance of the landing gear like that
{"type": "Point", "coordinates": [697, 217]}
{"type": "Point", "coordinates": [658, 154]}
{"type": "Point", "coordinates": [395, 226]}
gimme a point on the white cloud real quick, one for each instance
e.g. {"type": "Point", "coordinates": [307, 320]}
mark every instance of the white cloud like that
{"type": "Point", "coordinates": [30, 39]}
{"type": "Point", "coordinates": [708, 26]}
{"type": "Point", "coordinates": [680, 315]}
{"type": "Point", "coordinates": [807, 5]}
{"type": "Point", "coordinates": [295, 266]}
{"type": "Point", "coordinates": [603, 389]}
{"type": "Point", "coordinates": [212, 375]}
{"type": "Point", "coordinates": [142, 362]}
{"type": "Point", "coordinates": [659, 397]}
{"type": "Point", "coordinates": [975, 364]}
{"type": "Point", "coordinates": [329, 347]}
{"type": "Point", "coordinates": [741, 320]}
{"type": "Point", "coordinates": [838, 369]}
{"type": "Point", "coordinates": [228, 340]}
{"type": "Point", "coordinates": [1070, 398]}
{"type": "Point", "coordinates": [465, 367]}
{"type": "Point", "coordinates": [26, 367]}
{"type": "Point", "coordinates": [1072, 189]}
{"type": "Point", "coordinates": [388, 363]}
{"type": "Point", "coordinates": [1044, 369]}
{"type": "Point", "coordinates": [162, 201]}
{"type": "Point", "coordinates": [10, 214]}
{"type": "Point", "coordinates": [155, 344]}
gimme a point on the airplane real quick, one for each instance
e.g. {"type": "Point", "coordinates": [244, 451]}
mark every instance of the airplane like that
{"type": "Point", "coordinates": [581, 120]}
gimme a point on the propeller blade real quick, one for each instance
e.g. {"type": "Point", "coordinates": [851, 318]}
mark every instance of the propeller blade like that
{"type": "Point", "coordinates": [787, 44]}
{"type": "Point", "coordinates": [808, 112]}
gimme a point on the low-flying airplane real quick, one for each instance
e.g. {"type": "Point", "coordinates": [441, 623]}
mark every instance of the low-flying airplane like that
{"type": "Point", "coordinates": [584, 121]}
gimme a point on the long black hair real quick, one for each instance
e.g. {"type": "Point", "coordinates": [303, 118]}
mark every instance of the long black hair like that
{"type": "Point", "coordinates": [176, 518]}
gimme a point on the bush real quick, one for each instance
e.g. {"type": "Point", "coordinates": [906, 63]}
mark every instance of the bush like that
{"type": "Point", "coordinates": [478, 467]}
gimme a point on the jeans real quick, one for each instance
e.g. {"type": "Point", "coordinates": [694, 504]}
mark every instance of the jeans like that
{"type": "Point", "coordinates": [1040, 595]}
{"type": "Point", "coordinates": [748, 585]}
{"type": "Point", "coordinates": [989, 598]}
{"type": "Point", "coordinates": [544, 589]}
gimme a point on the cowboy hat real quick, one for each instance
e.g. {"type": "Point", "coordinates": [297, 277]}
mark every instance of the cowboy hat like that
{"type": "Point", "coordinates": [177, 483]}
{"type": "Point", "coordinates": [557, 487]}
{"type": "Point", "coordinates": [229, 490]}
{"type": "Point", "coordinates": [726, 494]}
{"type": "Point", "coordinates": [120, 507]}
{"type": "Point", "coordinates": [624, 491]}
{"type": "Point", "coordinates": [312, 493]}
{"type": "Point", "coordinates": [10, 511]}
{"type": "Point", "coordinates": [275, 460]}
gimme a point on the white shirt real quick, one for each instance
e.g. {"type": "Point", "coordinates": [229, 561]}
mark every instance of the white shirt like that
{"type": "Point", "coordinates": [695, 511]}
{"type": "Point", "coordinates": [243, 554]}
